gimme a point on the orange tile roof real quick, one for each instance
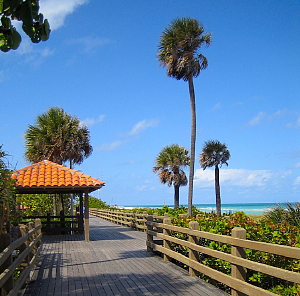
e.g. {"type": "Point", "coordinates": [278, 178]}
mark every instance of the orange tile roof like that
{"type": "Point", "coordinates": [47, 174]}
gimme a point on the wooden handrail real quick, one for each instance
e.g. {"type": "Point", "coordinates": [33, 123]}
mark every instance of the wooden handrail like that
{"type": "Point", "coordinates": [49, 225]}
{"type": "Point", "coordinates": [163, 230]}
{"type": "Point", "coordinates": [29, 246]}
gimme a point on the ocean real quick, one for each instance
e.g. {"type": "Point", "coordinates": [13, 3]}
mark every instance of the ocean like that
{"type": "Point", "coordinates": [248, 208]}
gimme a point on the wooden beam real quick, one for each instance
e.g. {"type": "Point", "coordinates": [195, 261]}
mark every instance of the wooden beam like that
{"type": "Point", "coordinates": [86, 217]}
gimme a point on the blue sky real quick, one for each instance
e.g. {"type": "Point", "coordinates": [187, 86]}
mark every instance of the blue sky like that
{"type": "Point", "coordinates": [100, 65]}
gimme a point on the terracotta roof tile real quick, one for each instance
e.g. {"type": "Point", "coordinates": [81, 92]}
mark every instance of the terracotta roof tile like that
{"type": "Point", "coordinates": [49, 174]}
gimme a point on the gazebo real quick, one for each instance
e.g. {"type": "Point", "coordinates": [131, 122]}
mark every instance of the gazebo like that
{"type": "Point", "coordinates": [47, 177]}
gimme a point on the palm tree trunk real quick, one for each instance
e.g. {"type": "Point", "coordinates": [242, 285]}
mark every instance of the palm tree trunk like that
{"type": "Point", "coordinates": [217, 188]}
{"type": "Point", "coordinates": [176, 196]}
{"type": "Point", "coordinates": [193, 143]}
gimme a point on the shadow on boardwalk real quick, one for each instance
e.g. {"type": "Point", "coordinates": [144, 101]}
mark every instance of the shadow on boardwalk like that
{"type": "Point", "coordinates": [114, 262]}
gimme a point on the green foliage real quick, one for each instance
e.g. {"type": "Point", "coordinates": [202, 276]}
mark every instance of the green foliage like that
{"type": "Point", "coordinates": [293, 290]}
{"type": "Point", "coordinates": [214, 153]}
{"type": "Point", "coordinates": [58, 137]}
{"type": "Point", "coordinates": [6, 182]}
{"type": "Point", "coordinates": [7, 189]}
{"type": "Point", "coordinates": [33, 23]}
{"type": "Point", "coordinates": [179, 48]}
{"type": "Point", "coordinates": [36, 204]}
{"type": "Point", "coordinates": [169, 165]}
{"type": "Point", "coordinates": [262, 230]}
{"type": "Point", "coordinates": [265, 231]}
{"type": "Point", "coordinates": [289, 214]}
{"type": "Point", "coordinates": [165, 209]}
{"type": "Point", "coordinates": [96, 203]}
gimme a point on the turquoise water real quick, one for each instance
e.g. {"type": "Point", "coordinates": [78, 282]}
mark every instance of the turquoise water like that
{"type": "Point", "coordinates": [248, 208]}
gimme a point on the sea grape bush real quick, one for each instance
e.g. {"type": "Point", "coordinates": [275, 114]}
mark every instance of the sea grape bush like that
{"type": "Point", "coordinates": [165, 209]}
{"type": "Point", "coordinates": [265, 231]}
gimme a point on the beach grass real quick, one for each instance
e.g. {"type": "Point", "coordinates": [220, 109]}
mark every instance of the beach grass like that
{"type": "Point", "coordinates": [255, 217]}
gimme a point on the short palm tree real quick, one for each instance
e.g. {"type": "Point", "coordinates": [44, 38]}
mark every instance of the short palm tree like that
{"type": "Point", "coordinates": [170, 164]}
{"type": "Point", "coordinates": [179, 47]}
{"type": "Point", "coordinates": [215, 154]}
{"type": "Point", "coordinates": [58, 137]}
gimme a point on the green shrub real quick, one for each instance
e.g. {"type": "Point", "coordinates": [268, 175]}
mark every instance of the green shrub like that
{"type": "Point", "coordinates": [96, 203]}
{"type": "Point", "coordinates": [290, 214]}
{"type": "Point", "coordinates": [265, 231]}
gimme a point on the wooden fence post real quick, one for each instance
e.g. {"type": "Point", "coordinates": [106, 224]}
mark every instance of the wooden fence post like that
{"type": "Point", "coordinates": [145, 217]}
{"type": "Point", "coordinates": [23, 230]}
{"type": "Point", "coordinates": [132, 216]}
{"type": "Point", "coordinates": [149, 236]}
{"type": "Point", "coordinates": [62, 221]}
{"type": "Point", "coordinates": [37, 223]}
{"type": "Point", "coordinates": [48, 225]}
{"type": "Point", "coordinates": [5, 241]}
{"type": "Point", "coordinates": [167, 243]}
{"type": "Point", "coordinates": [238, 271]}
{"type": "Point", "coordinates": [30, 227]}
{"type": "Point", "coordinates": [193, 255]}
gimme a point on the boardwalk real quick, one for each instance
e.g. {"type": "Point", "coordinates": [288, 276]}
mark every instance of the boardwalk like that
{"type": "Point", "coordinates": [114, 262]}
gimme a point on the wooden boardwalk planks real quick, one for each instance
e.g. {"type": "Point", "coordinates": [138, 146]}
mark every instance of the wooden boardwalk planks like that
{"type": "Point", "coordinates": [114, 262]}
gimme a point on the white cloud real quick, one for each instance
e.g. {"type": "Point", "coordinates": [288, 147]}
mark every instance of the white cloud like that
{"type": "Point", "coordinates": [294, 125]}
{"type": "Point", "coordinates": [141, 188]}
{"type": "Point", "coordinates": [257, 119]}
{"type": "Point", "coordinates": [56, 11]}
{"type": "Point", "coordinates": [279, 113]}
{"type": "Point", "coordinates": [109, 146]}
{"type": "Point", "coordinates": [297, 181]}
{"type": "Point", "coordinates": [276, 115]}
{"type": "Point", "coordinates": [92, 121]}
{"type": "Point", "coordinates": [238, 177]}
{"type": "Point", "coordinates": [217, 106]}
{"type": "Point", "coordinates": [137, 128]}
{"type": "Point", "coordinates": [26, 45]}
{"type": "Point", "coordinates": [89, 43]}
{"type": "Point", "coordinates": [142, 125]}
{"type": "Point", "coordinates": [46, 52]}
{"type": "Point", "coordinates": [33, 54]}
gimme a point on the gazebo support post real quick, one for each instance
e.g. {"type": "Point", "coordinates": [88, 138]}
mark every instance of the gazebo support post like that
{"type": "Point", "coordinates": [81, 204]}
{"type": "Point", "coordinates": [86, 217]}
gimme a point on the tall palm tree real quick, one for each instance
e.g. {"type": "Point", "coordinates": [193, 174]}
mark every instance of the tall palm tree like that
{"type": "Point", "coordinates": [179, 47]}
{"type": "Point", "coordinates": [58, 137]}
{"type": "Point", "coordinates": [215, 154]}
{"type": "Point", "coordinates": [170, 164]}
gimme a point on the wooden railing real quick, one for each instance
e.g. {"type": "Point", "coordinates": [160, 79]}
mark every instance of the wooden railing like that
{"type": "Point", "coordinates": [60, 224]}
{"type": "Point", "coordinates": [19, 255]}
{"type": "Point", "coordinates": [130, 219]}
{"type": "Point", "coordinates": [164, 230]}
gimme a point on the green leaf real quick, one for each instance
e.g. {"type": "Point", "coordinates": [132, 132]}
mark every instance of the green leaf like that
{"type": "Point", "coordinates": [16, 40]}
{"type": "Point", "coordinates": [6, 22]}
{"type": "Point", "coordinates": [26, 17]}
{"type": "Point", "coordinates": [4, 48]}
{"type": "Point", "coordinates": [45, 32]}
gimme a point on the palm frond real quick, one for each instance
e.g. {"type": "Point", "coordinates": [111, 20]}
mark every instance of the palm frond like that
{"type": "Point", "coordinates": [179, 47]}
